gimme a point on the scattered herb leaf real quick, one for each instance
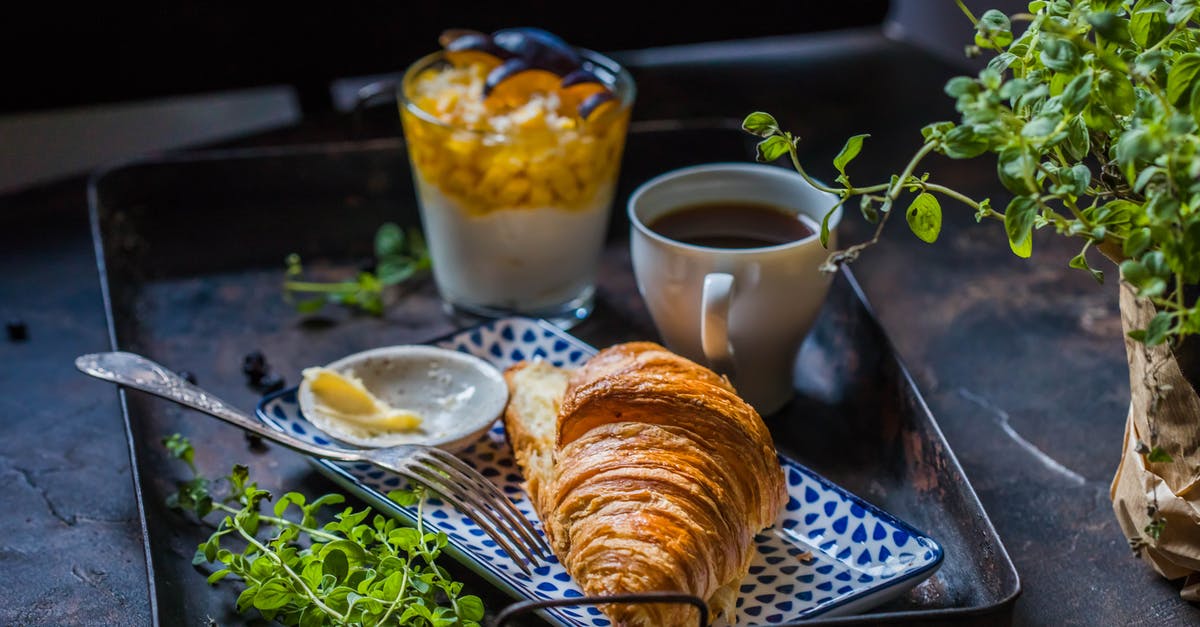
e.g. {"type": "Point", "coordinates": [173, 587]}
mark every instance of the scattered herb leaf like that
{"type": "Point", "coordinates": [353, 569]}
{"type": "Point", "coordinates": [399, 256]}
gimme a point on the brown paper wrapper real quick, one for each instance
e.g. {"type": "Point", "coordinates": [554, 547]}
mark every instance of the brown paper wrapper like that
{"type": "Point", "coordinates": [1172, 486]}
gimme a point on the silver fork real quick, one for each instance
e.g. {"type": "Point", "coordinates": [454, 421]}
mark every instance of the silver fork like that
{"type": "Point", "coordinates": [445, 474]}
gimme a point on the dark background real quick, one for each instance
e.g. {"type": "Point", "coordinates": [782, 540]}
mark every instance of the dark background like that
{"type": "Point", "coordinates": [59, 55]}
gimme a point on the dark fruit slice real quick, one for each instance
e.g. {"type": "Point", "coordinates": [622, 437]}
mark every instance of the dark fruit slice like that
{"type": "Point", "coordinates": [580, 77]}
{"type": "Point", "coordinates": [578, 86]}
{"type": "Point", "coordinates": [516, 80]}
{"type": "Point", "coordinates": [596, 102]}
{"type": "Point", "coordinates": [473, 47]}
{"type": "Point", "coordinates": [450, 35]}
{"type": "Point", "coordinates": [541, 48]}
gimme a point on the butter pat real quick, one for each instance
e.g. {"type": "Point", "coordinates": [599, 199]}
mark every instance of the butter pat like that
{"type": "Point", "coordinates": [345, 398]}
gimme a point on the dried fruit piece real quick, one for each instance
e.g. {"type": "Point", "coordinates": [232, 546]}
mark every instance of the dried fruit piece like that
{"type": "Point", "coordinates": [272, 383]}
{"type": "Point", "coordinates": [254, 366]}
{"type": "Point", "coordinates": [17, 330]}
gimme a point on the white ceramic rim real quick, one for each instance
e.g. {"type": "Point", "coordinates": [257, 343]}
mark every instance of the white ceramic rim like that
{"type": "Point", "coordinates": [746, 169]}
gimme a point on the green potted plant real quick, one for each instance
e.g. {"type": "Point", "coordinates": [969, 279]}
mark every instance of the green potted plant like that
{"type": "Point", "coordinates": [1091, 110]}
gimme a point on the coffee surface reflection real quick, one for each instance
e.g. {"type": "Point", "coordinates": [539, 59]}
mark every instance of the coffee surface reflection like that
{"type": "Point", "coordinates": [731, 224]}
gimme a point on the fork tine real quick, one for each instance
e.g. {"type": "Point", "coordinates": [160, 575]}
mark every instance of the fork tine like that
{"type": "Point", "coordinates": [510, 512]}
{"type": "Point", "coordinates": [479, 512]}
{"type": "Point", "coordinates": [500, 502]}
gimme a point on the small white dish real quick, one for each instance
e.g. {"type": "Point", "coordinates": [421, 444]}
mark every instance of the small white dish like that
{"type": "Point", "coordinates": [457, 395]}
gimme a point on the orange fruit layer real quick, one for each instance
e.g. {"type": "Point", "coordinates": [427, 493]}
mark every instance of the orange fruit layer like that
{"type": "Point", "coordinates": [515, 150]}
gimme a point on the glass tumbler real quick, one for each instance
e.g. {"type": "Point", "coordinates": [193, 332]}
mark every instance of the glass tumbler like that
{"type": "Point", "coordinates": [515, 214]}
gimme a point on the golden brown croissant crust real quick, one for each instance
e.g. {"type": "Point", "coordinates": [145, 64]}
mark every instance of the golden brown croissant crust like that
{"type": "Point", "coordinates": [658, 478]}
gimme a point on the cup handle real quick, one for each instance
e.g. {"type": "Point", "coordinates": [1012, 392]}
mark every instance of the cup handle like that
{"type": "Point", "coordinates": [714, 321]}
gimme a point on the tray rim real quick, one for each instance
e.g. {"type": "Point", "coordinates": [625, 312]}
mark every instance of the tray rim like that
{"type": "Point", "coordinates": [347, 481]}
{"type": "Point", "coordinates": [191, 156]}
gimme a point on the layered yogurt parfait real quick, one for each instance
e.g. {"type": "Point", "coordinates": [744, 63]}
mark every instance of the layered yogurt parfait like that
{"type": "Point", "coordinates": [515, 140]}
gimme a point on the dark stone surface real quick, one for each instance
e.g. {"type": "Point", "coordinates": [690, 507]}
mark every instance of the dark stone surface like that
{"type": "Point", "coordinates": [1021, 362]}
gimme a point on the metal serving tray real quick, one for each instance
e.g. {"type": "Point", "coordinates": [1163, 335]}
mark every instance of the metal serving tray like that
{"type": "Point", "coordinates": [190, 251]}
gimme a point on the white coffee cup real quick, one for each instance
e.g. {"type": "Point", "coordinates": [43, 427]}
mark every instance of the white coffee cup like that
{"type": "Point", "coordinates": [742, 311]}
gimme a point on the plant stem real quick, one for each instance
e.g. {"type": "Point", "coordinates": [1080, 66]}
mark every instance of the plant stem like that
{"type": "Point", "coordinates": [967, 12]}
{"type": "Point", "coordinates": [264, 550]}
{"type": "Point", "coordinates": [281, 522]}
{"type": "Point", "coordinates": [326, 288]}
{"type": "Point", "coordinates": [912, 165]}
{"type": "Point", "coordinates": [809, 179]}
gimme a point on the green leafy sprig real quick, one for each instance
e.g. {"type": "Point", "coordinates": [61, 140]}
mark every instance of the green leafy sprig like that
{"type": "Point", "coordinates": [1092, 114]}
{"type": "Point", "coordinates": [399, 256]}
{"type": "Point", "coordinates": [346, 571]}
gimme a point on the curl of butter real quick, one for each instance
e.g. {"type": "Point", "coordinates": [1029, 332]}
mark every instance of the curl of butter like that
{"type": "Point", "coordinates": [345, 398]}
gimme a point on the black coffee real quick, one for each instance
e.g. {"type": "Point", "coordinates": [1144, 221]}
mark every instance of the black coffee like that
{"type": "Point", "coordinates": [731, 224]}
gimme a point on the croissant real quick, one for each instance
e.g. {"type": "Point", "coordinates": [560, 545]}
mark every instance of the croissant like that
{"type": "Point", "coordinates": [648, 472]}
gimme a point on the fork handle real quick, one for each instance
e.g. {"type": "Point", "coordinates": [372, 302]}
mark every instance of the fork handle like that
{"type": "Point", "coordinates": [134, 371]}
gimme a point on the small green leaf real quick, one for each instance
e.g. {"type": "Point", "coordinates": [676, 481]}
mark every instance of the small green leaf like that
{"type": "Point", "coordinates": [825, 227]}
{"type": "Point", "coordinates": [470, 607]}
{"type": "Point", "coordinates": [1018, 224]}
{"type": "Point", "coordinates": [961, 86]}
{"type": "Point", "coordinates": [1156, 331]}
{"type": "Point", "coordinates": [1080, 262]}
{"type": "Point", "coordinates": [1136, 242]}
{"type": "Point", "coordinates": [1180, 11]}
{"type": "Point", "coordinates": [1016, 169]}
{"type": "Point", "coordinates": [394, 271]}
{"type": "Point", "coordinates": [1075, 95]}
{"type": "Point", "coordinates": [272, 595]}
{"type": "Point", "coordinates": [1078, 139]}
{"type": "Point", "coordinates": [1039, 127]}
{"type": "Point", "coordinates": [1116, 92]}
{"type": "Point", "coordinates": [761, 124]}
{"type": "Point", "coordinates": [962, 142]}
{"type": "Point", "coordinates": [772, 148]}
{"type": "Point", "coordinates": [1059, 54]}
{"type": "Point", "coordinates": [849, 152]}
{"type": "Point", "coordinates": [1148, 23]}
{"type": "Point", "coordinates": [405, 498]}
{"type": "Point", "coordinates": [1158, 455]}
{"type": "Point", "coordinates": [1023, 249]}
{"type": "Point", "coordinates": [994, 30]}
{"type": "Point", "coordinates": [1194, 103]}
{"type": "Point", "coordinates": [925, 217]}
{"type": "Point", "coordinates": [1110, 26]}
{"type": "Point", "coordinates": [389, 240]}
{"type": "Point", "coordinates": [935, 130]}
{"type": "Point", "coordinates": [218, 575]}
{"type": "Point", "coordinates": [1182, 76]}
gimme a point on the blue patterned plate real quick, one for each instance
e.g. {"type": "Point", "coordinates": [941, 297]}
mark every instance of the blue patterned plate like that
{"type": "Point", "coordinates": [829, 553]}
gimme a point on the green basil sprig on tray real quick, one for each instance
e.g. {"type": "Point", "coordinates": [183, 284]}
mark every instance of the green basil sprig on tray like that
{"type": "Point", "coordinates": [399, 256]}
{"type": "Point", "coordinates": [1092, 114]}
{"type": "Point", "coordinates": [346, 571]}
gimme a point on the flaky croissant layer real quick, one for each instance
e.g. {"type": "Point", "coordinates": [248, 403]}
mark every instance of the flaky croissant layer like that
{"type": "Point", "coordinates": [648, 472]}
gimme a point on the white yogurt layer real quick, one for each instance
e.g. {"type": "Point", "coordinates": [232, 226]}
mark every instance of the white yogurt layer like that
{"type": "Point", "coordinates": [524, 259]}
